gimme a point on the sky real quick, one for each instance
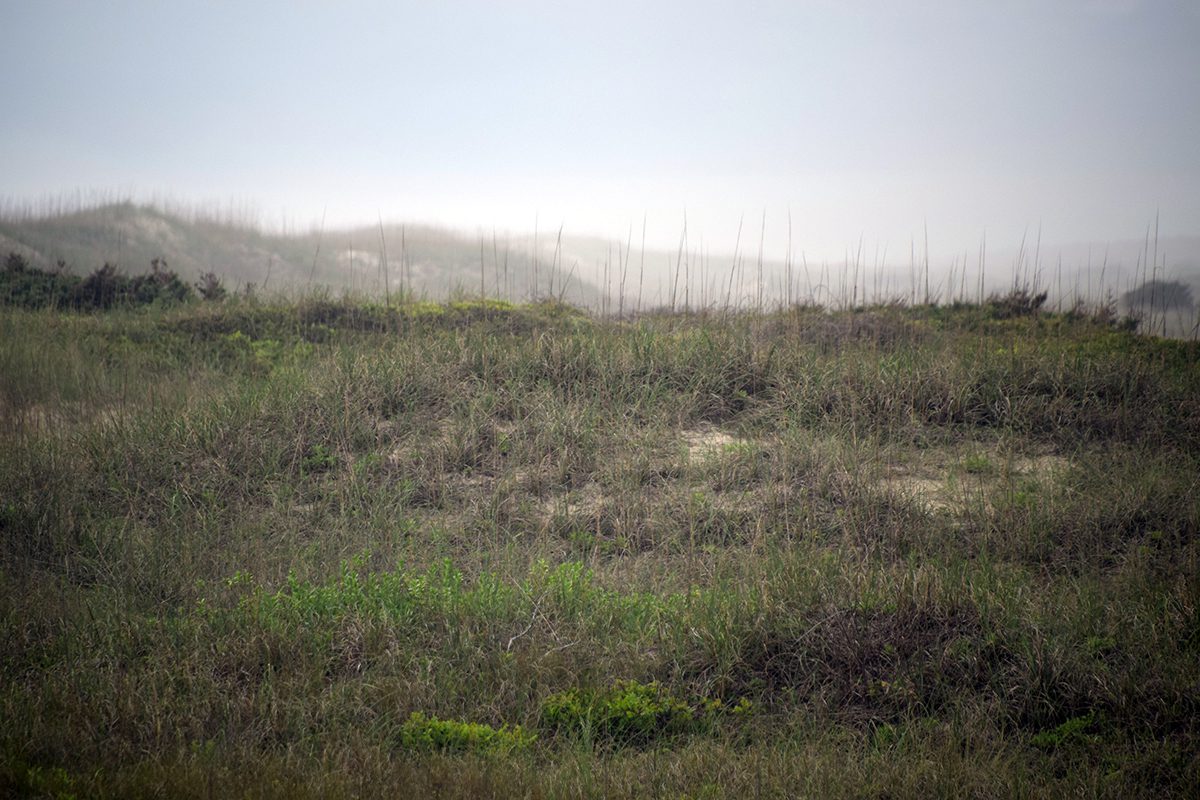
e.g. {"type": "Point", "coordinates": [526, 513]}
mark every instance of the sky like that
{"type": "Point", "coordinates": [871, 122]}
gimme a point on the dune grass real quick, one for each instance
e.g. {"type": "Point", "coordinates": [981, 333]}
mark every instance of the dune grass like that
{"type": "Point", "coordinates": [331, 549]}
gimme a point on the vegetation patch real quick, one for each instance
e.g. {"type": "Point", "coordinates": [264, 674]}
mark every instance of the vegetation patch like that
{"type": "Point", "coordinates": [26, 286]}
{"type": "Point", "coordinates": [633, 713]}
{"type": "Point", "coordinates": [422, 733]}
{"type": "Point", "coordinates": [1073, 730]}
{"type": "Point", "coordinates": [967, 478]}
{"type": "Point", "coordinates": [871, 664]}
{"type": "Point", "coordinates": [893, 551]}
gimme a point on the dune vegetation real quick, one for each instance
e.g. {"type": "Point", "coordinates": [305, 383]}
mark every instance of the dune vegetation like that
{"type": "Point", "coordinates": [331, 548]}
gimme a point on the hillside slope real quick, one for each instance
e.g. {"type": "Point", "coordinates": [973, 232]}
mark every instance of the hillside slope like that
{"type": "Point", "coordinates": [427, 261]}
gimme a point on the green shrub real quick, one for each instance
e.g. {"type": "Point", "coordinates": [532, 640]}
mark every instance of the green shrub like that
{"type": "Point", "coordinates": [1074, 729]}
{"type": "Point", "coordinates": [25, 286]}
{"type": "Point", "coordinates": [631, 713]}
{"type": "Point", "coordinates": [424, 733]}
{"type": "Point", "coordinates": [160, 285]}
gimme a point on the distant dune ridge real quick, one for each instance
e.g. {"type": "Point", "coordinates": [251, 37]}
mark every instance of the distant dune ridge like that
{"type": "Point", "coordinates": [435, 263]}
{"type": "Point", "coordinates": [423, 261]}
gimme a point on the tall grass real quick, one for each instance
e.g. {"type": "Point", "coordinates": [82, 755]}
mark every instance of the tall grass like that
{"type": "Point", "coordinates": [897, 551]}
{"type": "Point", "coordinates": [251, 253]}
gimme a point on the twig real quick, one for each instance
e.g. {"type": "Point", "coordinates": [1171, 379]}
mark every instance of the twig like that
{"type": "Point", "coordinates": [559, 648]}
{"type": "Point", "coordinates": [533, 615]}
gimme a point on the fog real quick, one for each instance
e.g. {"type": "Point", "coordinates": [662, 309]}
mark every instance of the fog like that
{"type": "Point", "coordinates": [876, 134]}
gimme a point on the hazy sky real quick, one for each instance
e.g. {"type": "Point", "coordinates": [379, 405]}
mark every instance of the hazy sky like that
{"type": "Point", "coordinates": [865, 119]}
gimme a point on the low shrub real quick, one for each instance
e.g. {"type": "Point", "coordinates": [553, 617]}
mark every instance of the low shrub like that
{"type": "Point", "coordinates": [631, 713]}
{"type": "Point", "coordinates": [1022, 302]}
{"type": "Point", "coordinates": [26, 286]}
{"type": "Point", "coordinates": [426, 734]}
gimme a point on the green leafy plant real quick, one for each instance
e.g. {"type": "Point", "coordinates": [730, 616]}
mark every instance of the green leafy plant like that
{"type": "Point", "coordinates": [632, 713]}
{"type": "Point", "coordinates": [319, 458]}
{"type": "Point", "coordinates": [977, 464]}
{"type": "Point", "coordinates": [428, 733]}
{"type": "Point", "coordinates": [1073, 730]}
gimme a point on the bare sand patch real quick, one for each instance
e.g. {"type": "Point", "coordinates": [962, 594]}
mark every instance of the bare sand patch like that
{"type": "Point", "coordinates": [953, 479]}
{"type": "Point", "coordinates": [586, 501]}
{"type": "Point", "coordinates": [707, 441]}
{"type": "Point", "coordinates": [47, 417]}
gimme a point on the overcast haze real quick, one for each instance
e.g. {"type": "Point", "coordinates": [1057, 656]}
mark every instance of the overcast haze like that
{"type": "Point", "coordinates": [863, 119]}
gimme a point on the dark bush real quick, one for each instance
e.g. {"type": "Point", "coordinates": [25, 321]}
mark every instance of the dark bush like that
{"type": "Point", "coordinates": [1022, 302]}
{"type": "Point", "coordinates": [1163, 295]}
{"type": "Point", "coordinates": [159, 285]}
{"type": "Point", "coordinates": [26, 286]}
{"type": "Point", "coordinates": [210, 287]}
{"type": "Point", "coordinates": [22, 284]}
{"type": "Point", "coordinates": [101, 289]}
{"type": "Point", "coordinates": [16, 263]}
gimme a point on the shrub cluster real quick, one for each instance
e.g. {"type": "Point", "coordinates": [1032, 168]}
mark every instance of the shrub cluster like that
{"type": "Point", "coordinates": [26, 286]}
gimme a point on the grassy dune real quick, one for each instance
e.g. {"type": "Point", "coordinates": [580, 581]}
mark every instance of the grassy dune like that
{"type": "Point", "coordinates": [336, 550]}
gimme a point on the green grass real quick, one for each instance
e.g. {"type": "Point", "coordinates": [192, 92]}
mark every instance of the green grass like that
{"type": "Point", "coordinates": [331, 549]}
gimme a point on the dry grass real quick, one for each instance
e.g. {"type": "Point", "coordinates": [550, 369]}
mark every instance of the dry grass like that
{"type": "Point", "coordinates": [925, 551]}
